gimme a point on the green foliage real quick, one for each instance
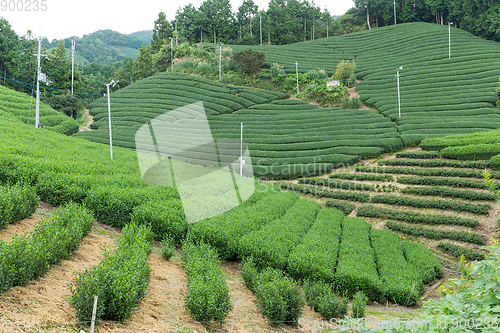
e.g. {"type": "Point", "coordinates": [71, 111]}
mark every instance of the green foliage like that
{"type": "Point", "coordinates": [29, 256]}
{"type": "Point", "coordinates": [413, 216]}
{"type": "Point", "coordinates": [320, 297]}
{"type": "Point", "coordinates": [332, 184]}
{"type": "Point", "coordinates": [273, 243]}
{"type": "Point", "coordinates": [472, 152]}
{"type": "Point", "coordinates": [345, 72]}
{"type": "Point", "coordinates": [441, 181]}
{"type": "Point", "coordinates": [489, 137]}
{"type": "Point", "coordinates": [119, 280]}
{"type": "Point", "coordinates": [68, 105]}
{"type": "Point", "coordinates": [250, 61]}
{"type": "Point", "coordinates": [359, 305]}
{"type": "Point", "coordinates": [458, 251]}
{"type": "Point", "coordinates": [319, 192]}
{"type": "Point", "coordinates": [426, 264]}
{"type": "Point", "coordinates": [356, 268]}
{"type": "Point", "coordinates": [316, 255]}
{"type": "Point", "coordinates": [362, 176]}
{"type": "Point", "coordinates": [418, 154]}
{"type": "Point", "coordinates": [16, 203]}
{"type": "Point", "coordinates": [249, 273]}
{"type": "Point", "coordinates": [402, 283]}
{"type": "Point", "coordinates": [431, 233]}
{"type": "Point", "coordinates": [207, 297]}
{"type": "Point", "coordinates": [166, 218]}
{"type": "Point", "coordinates": [448, 192]}
{"type": "Point", "coordinates": [279, 297]}
{"type": "Point", "coordinates": [428, 172]}
{"type": "Point", "coordinates": [167, 248]}
{"type": "Point", "coordinates": [436, 163]}
{"type": "Point", "coordinates": [458, 206]}
{"type": "Point", "coordinates": [344, 207]}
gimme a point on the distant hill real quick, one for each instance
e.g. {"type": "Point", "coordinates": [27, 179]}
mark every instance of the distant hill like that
{"type": "Point", "coordinates": [104, 46]}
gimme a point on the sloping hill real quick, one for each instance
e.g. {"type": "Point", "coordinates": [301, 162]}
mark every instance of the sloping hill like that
{"type": "Point", "coordinates": [18, 104]}
{"type": "Point", "coordinates": [286, 138]}
{"type": "Point", "coordinates": [439, 95]}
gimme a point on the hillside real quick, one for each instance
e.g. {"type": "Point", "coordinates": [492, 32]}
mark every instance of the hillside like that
{"type": "Point", "coordinates": [18, 104]}
{"type": "Point", "coordinates": [439, 95]}
{"type": "Point", "coordinates": [104, 46]}
{"type": "Point", "coordinates": [287, 138]}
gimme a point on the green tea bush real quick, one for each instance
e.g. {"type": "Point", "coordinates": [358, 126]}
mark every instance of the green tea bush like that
{"type": "Point", "coordinates": [359, 302]}
{"type": "Point", "coordinates": [114, 206]}
{"type": "Point", "coordinates": [442, 181]}
{"type": "Point", "coordinates": [332, 184]}
{"type": "Point", "coordinates": [401, 281]}
{"type": "Point", "coordinates": [249, 272]}
{"type": "Point", "coordinates": [272, 244]}
{"type": "Point", "coordinates": [344, 207]}
{"type": "Point", "coordinates": [119, 280]}
{"type": "Point", "coordinates": [166, 218]}
{"type": "Point", "coordinates": [319, 192]}
{"type": "Point", "coordinates": [60, 188]}
{"type": "Point", "coordinates": [29, 256]}
{"type": "Point", "coordinates": [418, 154]}
{"type": "Point", "coordinates": [207, 297]}
{"type": "Point", "coordinates": [458, 206]}
{"type": "Point", "coordinates": [448, 192]}
{"type": "Point", "coordinates": [363, 176]}
{"type": "Point", "coordinates": [440, 172]}
{"type": "Point", "coordinates": [320, 297]}
{"type": "Point", "coordinates": [458, 251]}
{"type": "Point", "coordinates": [472, 151]}
{"type": "Point", "coordinates": [431, 233]}
{"type": "Point", "coordinates": [437, 163]}
{"type": "Point", "coordinates": [280, 299]}
{"type": "Point", "coordinates": [315, 257]}
{"type": "Point", "coordinates": [413, 217]}
{"type": "Point", "coordinates": [167, 248]}
{"type": "Point", "coordinates": [427, 265]}
{"type": "Point", "coordinates": [356, 268]}
{"type": "Point", "coordinates": [16, 203]}
{"type": "Point", "coordinates": [494, 162]}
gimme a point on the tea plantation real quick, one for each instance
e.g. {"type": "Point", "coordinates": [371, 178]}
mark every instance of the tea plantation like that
{"type": "Point", "coordinates": [439, 95]}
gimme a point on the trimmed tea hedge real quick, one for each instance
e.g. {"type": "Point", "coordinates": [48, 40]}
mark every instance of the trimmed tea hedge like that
{"type": "Point", "coordinates": [414, 217]}
{"type": "Point", "coordinates": [272, 244]}
{"type": "Point", "coordinates": [472, 152]}
{"type": "Point", "coordinates": [334, 185]}
{"type": "Point", "coordinates": [344, 207]}
{"type": "Point", "coordinates": [454, 205]}
{"type": "Point", "coordinates": [444, 181]}
{"type": "Point", "coordinates": [27, 257]}
{"type": "Point", "coordinates": [16, 203]}
{"type": "Point", "coordinates": [119, 280]}
{"type": "Point", "coordinates": [319, 192]}
{"type": "Point", "coordinates": [418, 154]}
{"type": "Point", "coordinates": [487, 137]}
{"type": "Point", "coordinates": [458, 251]}
{"type": "Point", "coordinates": [401, 281]}
{"type": "Point", "coordinates": [427, 265]}
{"type": "Point", "coordinates": [426, 172]}
{"type": "Point", "coordinates": [363, 176]}
{"type": "Point", "coordinates": [207, 297]}
{"type": "Point", "coordinates": [315, 257]}
{"type": "Point", "coordinates": [356, 268]}
{"type": "Point", "coordinates": [431, 233]}
{"type": "Point", "coordinates": [449, 192]}
{"type": "Point", "coordinates": [436, 163]}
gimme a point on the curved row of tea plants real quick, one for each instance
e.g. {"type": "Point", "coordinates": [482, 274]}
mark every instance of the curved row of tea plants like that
{"type": "Point", "coordinates": [16, 203]}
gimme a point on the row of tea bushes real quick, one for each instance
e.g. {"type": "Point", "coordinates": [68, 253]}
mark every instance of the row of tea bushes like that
{"type": "Point", "coordinates": [16, 203]}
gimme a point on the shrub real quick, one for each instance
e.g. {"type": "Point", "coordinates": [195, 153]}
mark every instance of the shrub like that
{"type": "Point", "coordinates": [344, 207]}
{"type": "Point", "coordinates": [16, 203]}
{"type": "Point", "coordinates": [30, 256]}
{"type": "Point", "coordinates": [166, 218]}
{"type": "Point", "coordinates": [448, 192]}
{"type": "Point", "coordinates": [458, 251]}
{"type": "Point", "coordinates": [119, 280]}
{"type": "Point", "coordinates": [318, 192]}
{"type": "Point", "coordinates": [249, 272]}
{"type": "Point", "coordinates": [363, 176]}
{"type": "Point", "coordinates": [427, 265]}
{"type": "Point", "coordinates": [207, 297]}
{"type": "Point", "coordinates": [332, 184]}
{"type": "Point", "coordinates": [441, 181]}
{"type": "Point", "coordinates": [436, 163]}
{"type": "Point", "coordinates": [167, 248]}
{"type": "Point", "coordinates": [418, 154]}
{"type": "Point", "coordinates": [320, 297]}
{"type": "Point", "coordinates": [279, 297]}
{"type": "Point", "coordinates": [250, 61]}
{"type": "Point", "coordinates": [358, 305]}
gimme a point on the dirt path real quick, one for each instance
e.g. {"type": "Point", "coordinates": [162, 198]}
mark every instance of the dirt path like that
{"type": "Point", "coordinates": [90, 120]}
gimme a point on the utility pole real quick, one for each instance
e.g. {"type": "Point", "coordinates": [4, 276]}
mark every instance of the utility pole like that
{"type": "Point", "coordinates": [39, 77]}
{"type": "Point", "coordinates": [109, 117]}
{"type": "Point", "coordinates": [399, 97]}
{"type": "Point", "coordinates": [171, 52]}
{"type": "Point", "coordinates": [242, 161]}
{"type": "Point", "coordinates": [449, 39]}
{"type": "Point", "coordinates": [72, 64]}
{"type": "Point", "coordinates": [395, 12]}
{"type": "Point", "coordinates": [220, 61]}
{"type": "Point", "coordinates": [297, 71]}
{"type": "Point", "coordinates": [260, 29]}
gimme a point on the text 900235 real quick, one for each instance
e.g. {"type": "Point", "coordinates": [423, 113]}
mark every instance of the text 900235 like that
{"type": "Point", "coordinates": [23, 5]}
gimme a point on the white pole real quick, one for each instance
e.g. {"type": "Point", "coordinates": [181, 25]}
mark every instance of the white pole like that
{"type": "Point", "coordinates": [172, 52]}
{"type": "Point", "coordinates": [94, 310]}
{"type": "Point", "coordinates": [399, 97]}
{"type": "Point", "coordinates": [449, 39]}
{"type": "Point", "coordinates": [395, 12]}
{"type": "Point", "coordinates": [241, 150]}
{"type": "Point", "coordinates": [72, 64]}
{"type": "Point", "coordinates": [109, 120]}
{"type": "Point", "coordinates": [38, 71]}
{"type": "Point", "coordinates": [260, 29]}
{"type": "Point", "coordinates": [234, 314]}
{"type": "Point", "coordinates": [220, 61]}
{"type": "Point", "coordinates": [297, 71]}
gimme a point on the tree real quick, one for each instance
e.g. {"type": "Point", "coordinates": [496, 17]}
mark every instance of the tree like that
{"type": "Point", "coordinates": [246, 12]}
{"type": "Point", "coordinates": [161, 31]}
{"type": "Point", "coordinates": [220, 18]}
{"type": "Point", "coordinates": [9, 48]}
{"type": "Point", "coordinates": [250, 61]}
{"type": "Point", "coordinates": [143, 64]}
